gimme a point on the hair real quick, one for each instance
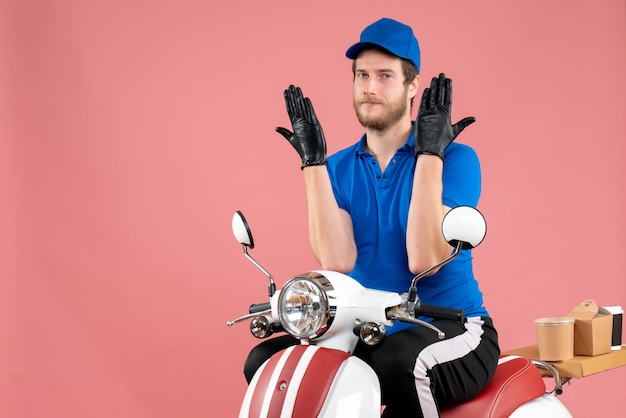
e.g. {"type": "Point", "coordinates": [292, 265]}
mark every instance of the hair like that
{"type": "Point", "coordinates": [410, 72]}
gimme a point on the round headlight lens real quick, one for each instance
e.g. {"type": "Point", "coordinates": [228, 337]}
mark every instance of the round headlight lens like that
{"type": "Point", "coordinates": [303, 308]}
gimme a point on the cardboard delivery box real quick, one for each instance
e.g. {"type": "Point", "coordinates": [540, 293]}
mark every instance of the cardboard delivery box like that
{"type": "Point", "coordinates": [592, 330]}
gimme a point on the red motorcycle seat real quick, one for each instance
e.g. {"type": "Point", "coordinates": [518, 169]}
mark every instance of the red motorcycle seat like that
{"type": "Point", "coordinates": [515, 382]}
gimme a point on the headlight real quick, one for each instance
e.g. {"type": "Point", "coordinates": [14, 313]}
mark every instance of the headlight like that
{"type": "Point", "coordinates": [303, 307]}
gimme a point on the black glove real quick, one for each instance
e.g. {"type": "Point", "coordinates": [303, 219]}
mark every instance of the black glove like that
{"type": "Point", "coordinates": [307, 136]}
{"type": "Point", "coordinates": [434, 131]}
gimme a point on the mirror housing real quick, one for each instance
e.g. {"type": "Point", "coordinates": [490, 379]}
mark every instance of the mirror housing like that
{"type": "Point", "coordinates": [464, 224]}
{"type": "Point", "coordinates": [241, 230]}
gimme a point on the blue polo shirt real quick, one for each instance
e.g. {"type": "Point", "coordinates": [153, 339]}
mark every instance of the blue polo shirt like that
{"type": "Point", "coordinates": [378, 203]}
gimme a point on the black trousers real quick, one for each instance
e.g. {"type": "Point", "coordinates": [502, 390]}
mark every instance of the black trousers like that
{"type": "Point", "coordinates": [419, 373]}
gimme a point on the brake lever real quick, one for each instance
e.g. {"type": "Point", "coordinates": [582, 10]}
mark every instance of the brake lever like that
{"type": "Point", "coordinates": [249, 316]}
{"type": "Point", "coordinates": [397, 313]}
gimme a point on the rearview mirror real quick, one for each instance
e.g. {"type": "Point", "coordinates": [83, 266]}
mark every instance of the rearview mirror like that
{"type": "Point", "coordinates": [464, 224]}
{"type": "Point", "coordinates": [241, 230]}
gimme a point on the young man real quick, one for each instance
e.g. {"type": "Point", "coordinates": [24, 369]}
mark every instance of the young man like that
{"type": "Point", "coordinates": [375, 211]}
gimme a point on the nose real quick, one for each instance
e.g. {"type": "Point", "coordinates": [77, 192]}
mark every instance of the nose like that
{"type": "Point", "coordinates": [370, 87]}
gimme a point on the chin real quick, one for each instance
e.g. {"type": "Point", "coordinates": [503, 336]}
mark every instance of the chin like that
{"type": "Point", "coordinates": [368, 119]}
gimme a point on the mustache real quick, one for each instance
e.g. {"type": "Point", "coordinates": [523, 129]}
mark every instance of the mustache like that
{"type": "Point", "coordinates": [370, 100]}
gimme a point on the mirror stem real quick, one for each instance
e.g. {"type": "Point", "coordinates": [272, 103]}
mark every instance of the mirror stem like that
{"type": "Point", "coordinates": [413, 290]}
{"type": "Point", "coordinates": [271, 289]}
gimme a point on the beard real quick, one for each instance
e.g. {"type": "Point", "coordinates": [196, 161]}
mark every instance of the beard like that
{"type": "Point", "coordinates": [391, 113]}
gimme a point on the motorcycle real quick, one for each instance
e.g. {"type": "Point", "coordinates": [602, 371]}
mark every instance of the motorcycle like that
{"type": "Point", "coordinates": [329, 312]}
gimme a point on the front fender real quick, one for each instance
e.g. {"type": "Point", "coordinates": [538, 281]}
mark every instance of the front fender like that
{"type": "Point", "coordinates": [309, 381]}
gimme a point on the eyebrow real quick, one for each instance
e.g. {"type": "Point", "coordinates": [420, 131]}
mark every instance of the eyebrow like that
{"type": "Point", "coordinates": [379, 70]}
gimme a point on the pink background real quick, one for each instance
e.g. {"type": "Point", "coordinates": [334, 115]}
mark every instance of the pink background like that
{"type": "Point", "coordinates": [130, 131]}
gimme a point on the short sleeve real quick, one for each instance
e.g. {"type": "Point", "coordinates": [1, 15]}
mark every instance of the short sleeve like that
{"type": "Point", "coordinates": [461, 176]}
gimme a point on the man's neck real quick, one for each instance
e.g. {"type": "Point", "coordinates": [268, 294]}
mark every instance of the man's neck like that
{"type": "Point", "coordinates": [384, 144]}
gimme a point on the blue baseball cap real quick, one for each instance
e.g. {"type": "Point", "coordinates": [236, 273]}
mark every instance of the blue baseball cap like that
{"type": "Point", "coordinates": [390, 35]}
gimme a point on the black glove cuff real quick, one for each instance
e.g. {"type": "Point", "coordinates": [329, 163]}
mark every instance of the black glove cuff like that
{"type": "Point", "coordinates": [426, 152]}
{"type": "Point", "coordinates": [315, 162]}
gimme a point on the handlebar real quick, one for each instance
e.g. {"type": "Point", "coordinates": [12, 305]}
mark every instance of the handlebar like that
{"type": "Point", "coordinates": [438, 312]}
{"type": "Point", "coordinates": [259, 307]}
{"type": "Point", "coordinates": [421, 309]}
